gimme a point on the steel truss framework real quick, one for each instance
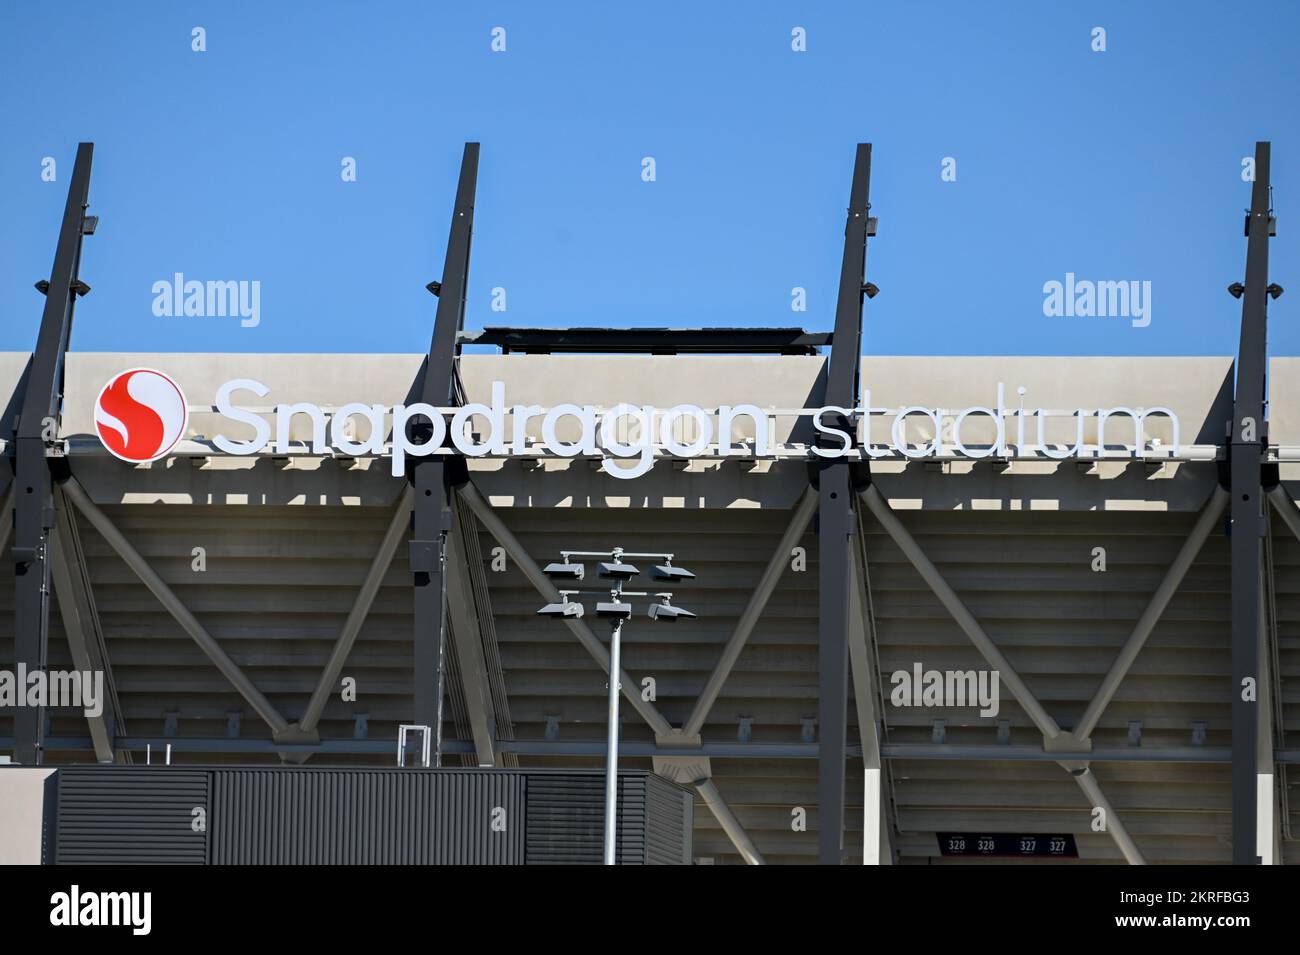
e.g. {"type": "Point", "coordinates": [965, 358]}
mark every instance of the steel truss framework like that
{"type": "Point", "coordinates": [36, 520]}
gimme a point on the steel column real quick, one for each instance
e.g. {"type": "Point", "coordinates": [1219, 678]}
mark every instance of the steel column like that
{"type": "Point", "coordinates": [877, 832]}
{"type": "Point", "coordinates": [835, 526]}
{"type": "Point", "coordinates": [1246, 446]}
{"type": "Point", "coordinates": [431, 520]}
{"type": "Point", "coordinates": [1266, 821]}
{"type": "Point", "coordinates": [6, 520]}
{"type": "Point", "coordinates": [33, 482]}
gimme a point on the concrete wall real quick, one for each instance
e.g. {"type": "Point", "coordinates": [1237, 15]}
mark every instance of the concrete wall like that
{"type": "Point", "coordinates": [23, 794]}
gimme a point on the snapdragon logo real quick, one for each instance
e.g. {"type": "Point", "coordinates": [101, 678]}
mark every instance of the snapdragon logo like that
{"type": "Point", "coordinates": [140, 415]}
{"type": "Point", "coordinates": [74, 907]}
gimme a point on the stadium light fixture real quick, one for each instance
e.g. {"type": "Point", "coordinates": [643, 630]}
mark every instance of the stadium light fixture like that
{"type": "Point", "coordinates": [665, 612]}
{"type": "Point", "coordinates": [614, 608]}
{"type": "Point", "coordinates": [617, 570]}
{"type": "Point", "coordinates": [565, 571]}
{"type": "Point", "coordinates": [666, 571]}
{"type": "Point", "coordinates": [567, 608]}
{"type": "Point", "coordinates": [618, 611]}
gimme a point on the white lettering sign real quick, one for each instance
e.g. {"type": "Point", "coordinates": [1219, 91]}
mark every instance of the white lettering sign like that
{"type": "Point", "coordinates": [629, 437]}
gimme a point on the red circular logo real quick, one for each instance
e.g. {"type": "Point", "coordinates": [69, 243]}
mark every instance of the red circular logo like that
{"type": "Point", "coordinates": [140, 415]}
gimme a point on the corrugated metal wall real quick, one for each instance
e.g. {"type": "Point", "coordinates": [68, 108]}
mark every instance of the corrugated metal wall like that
{"type": "Point", "coordinates": [367, 817]}
{"type": "Point", "coordinates": [131, 815]}
{"type": "Point", "coordinates": [320, 816]}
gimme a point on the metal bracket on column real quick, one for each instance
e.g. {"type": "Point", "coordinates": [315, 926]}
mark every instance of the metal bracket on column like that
{"type": "Point", "coordinates": [835, 524]}
{"type": "Point", "coordinates": [1246, 447]}
{"type": "Point", "coordinates": [432, 477]}
{"type": "Point", "coordinates": [33, 482]}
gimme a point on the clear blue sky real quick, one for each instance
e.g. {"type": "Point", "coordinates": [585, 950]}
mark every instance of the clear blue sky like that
{"type": "Point", "coordinates": [226, 165]}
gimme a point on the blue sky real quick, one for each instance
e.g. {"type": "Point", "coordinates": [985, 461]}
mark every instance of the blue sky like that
{"type": "Point", "coordinates": [1122, 165]}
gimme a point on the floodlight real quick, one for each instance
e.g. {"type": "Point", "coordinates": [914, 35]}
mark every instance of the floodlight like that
{"type": "Point", "coordinates": [565, 571]}
{"type": "Point", "coordinates": [614, 609]}
{"type": "Point", "coordinates": [1275, 291]}
{"type": "Point", "coordinates": [567, 608]}
{"type": "Point", "coordinates": [665, 612]}
{"type": "Point", "coordinates": [617, 570]}
{"type": "Point", "coordinates": [667, 571]}
{"type": "Point", "coordinates": [1236, 289]}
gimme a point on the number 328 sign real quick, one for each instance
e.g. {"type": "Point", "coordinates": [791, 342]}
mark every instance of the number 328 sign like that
{"type": "Point", "coordinates": [1005, 844]}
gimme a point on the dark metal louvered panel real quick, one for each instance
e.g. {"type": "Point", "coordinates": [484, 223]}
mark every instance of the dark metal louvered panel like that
{"type": "Point", "coordinates": [339, 817]}
{"type": "Point", "coordinates": [668, 822]}
{"type": "Point", "coordinates": [566, 814]}
{"type": "Point", "coordinates": [142, 815]}
{"type": "Point", "coordinates": [565, 819]}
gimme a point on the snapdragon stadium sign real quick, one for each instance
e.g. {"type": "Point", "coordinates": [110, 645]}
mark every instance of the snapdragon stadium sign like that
{"type": "Point", "coordinates": [141, 416]}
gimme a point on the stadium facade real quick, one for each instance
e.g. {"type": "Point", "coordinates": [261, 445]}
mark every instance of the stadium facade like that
{"type": "Point", "coordinates": [279, 561]}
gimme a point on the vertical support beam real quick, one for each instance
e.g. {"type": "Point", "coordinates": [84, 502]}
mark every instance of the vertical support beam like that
{"type": "Point", "coordinates": [834, 555]}
{"type": "Point", "coordinates": [432, 477]}
{"type": "Point", "coordinates": [467, 637]}
{"type": "Point", "coordinates": [1246, 447]}
{"type": "Point", "coordinates": [1265, 795]}
{"type": "Point", "coordinates": [877, 848]}
{"type": "Point", "coordinates": [835, 525]}
{"type": "Point", "coordinates": [33, 482]}
{"type": "Point", "coordinates": [6, 519]}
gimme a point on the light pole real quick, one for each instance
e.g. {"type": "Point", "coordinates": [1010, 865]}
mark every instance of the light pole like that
{"type": "Point", "coordinates": [617, 611]}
